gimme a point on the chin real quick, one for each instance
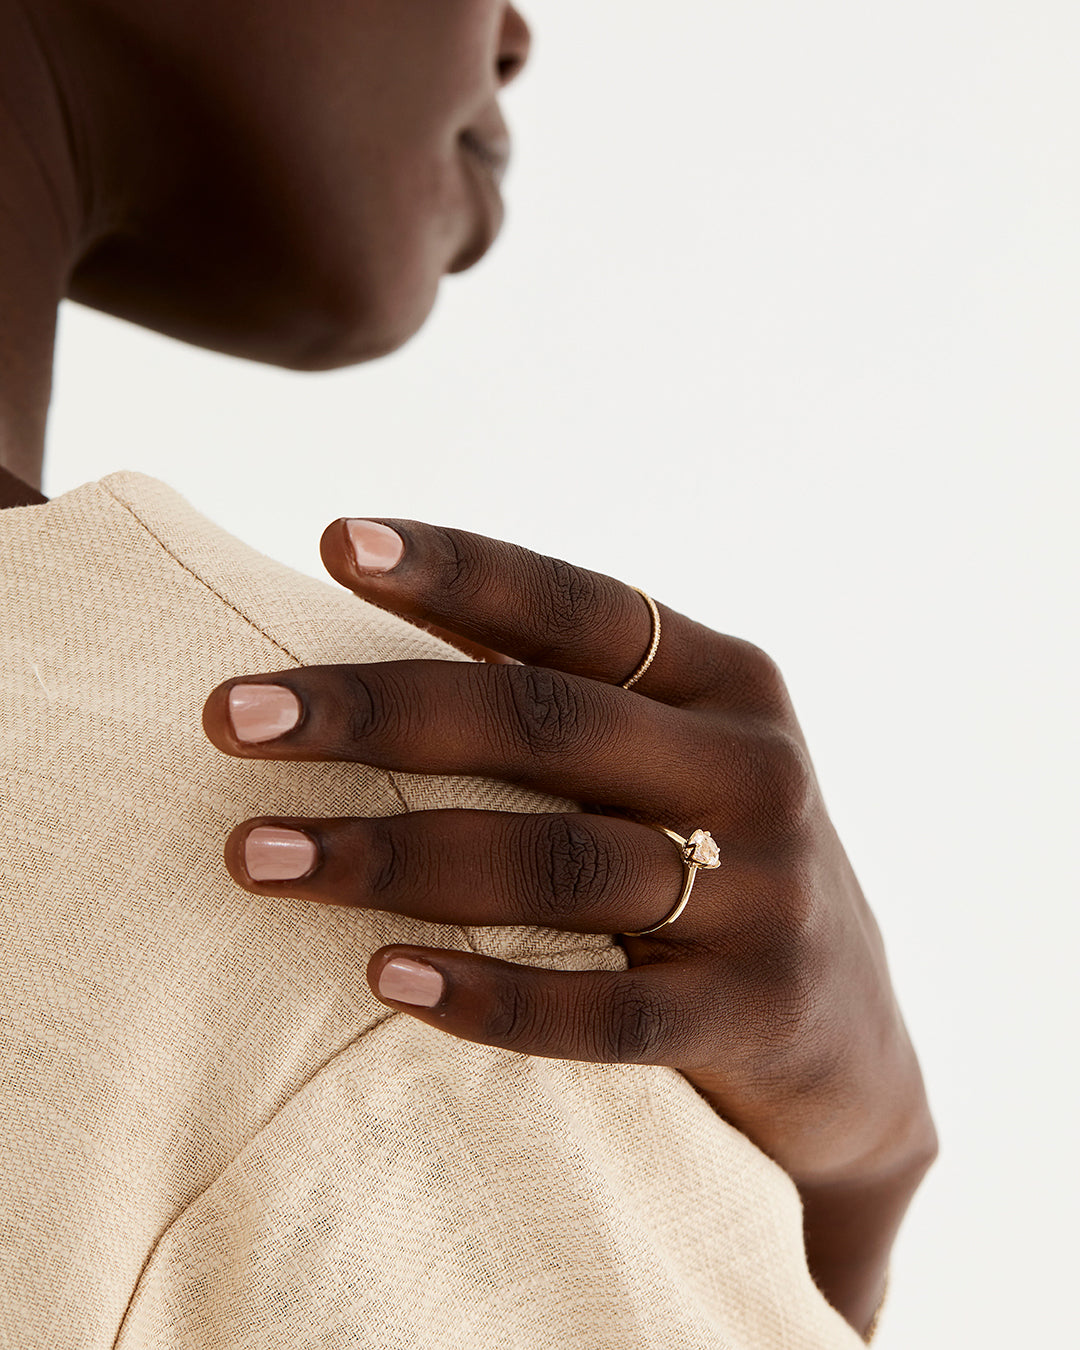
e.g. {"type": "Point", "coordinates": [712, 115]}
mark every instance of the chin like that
{"type": "Point", "coordinates": [327, 326]}
{"type": "Point", "coordinates": [355, 329]}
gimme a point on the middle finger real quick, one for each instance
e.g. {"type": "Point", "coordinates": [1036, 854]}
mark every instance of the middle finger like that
{"type": "Point", "coordinates": [541, 728]}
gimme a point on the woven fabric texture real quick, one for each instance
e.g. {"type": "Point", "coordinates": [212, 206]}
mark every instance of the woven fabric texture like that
{"type": "Point", "coordinates": [212, 1135]}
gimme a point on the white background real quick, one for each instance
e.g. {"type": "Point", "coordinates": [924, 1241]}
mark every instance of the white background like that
{"type": "Point", "coordinates": [784, 326]}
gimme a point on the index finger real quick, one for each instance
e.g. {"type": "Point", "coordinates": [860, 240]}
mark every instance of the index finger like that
{"type": "Point", "coordinates": [541, 610]}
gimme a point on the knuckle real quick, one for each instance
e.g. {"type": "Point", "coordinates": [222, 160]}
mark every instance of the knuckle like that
{"type": "Point", "coordinates": [795, 955]}
{"type": "Point", "coordinates": [789, 783]}
{"type": "Point", "coordinates": [362, 716]}
{"type": "Point", "coordinates": [573, 867]}
{"type": "Point", "coordinates": [775, 787]}
{"type": "Point", "coordinates": [387, 853]}
{"type": "Point", "coordinates": [378, 709]}
{"type": "Point", "coordinates": [459, 574]}
{"type": "Point", "coordinates": [570, 595]}
{"type": "Point", "coordinates": [635, 1025]}
{"type": "Point", "coordinates": [777, 1005]}
{"type": "Point", "coordinates": [511, 1019]}
{"type": "Point", "coordinates": [790, 960]}
{"type": "Point", "coordinates": [795, 1046]}
{"type": "Point", "coordinates": [548, 709]}
{"type": "Point", "coordinates": [756, 675]}
{"type": "Point", "coordinates": [756, 666]}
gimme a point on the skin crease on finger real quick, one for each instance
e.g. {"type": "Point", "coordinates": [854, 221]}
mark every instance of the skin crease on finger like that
{"type": "Point", "coordinates": [289, 183]}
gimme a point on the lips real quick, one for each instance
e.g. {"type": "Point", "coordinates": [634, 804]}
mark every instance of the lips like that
{"type": "Point", "coordinates": [486, 146]}
{"type": "Point", "coordinates": [489, 143]}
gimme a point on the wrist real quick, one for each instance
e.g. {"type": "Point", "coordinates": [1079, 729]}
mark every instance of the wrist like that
{"type": "Point", "coordinates": [850, 1224]}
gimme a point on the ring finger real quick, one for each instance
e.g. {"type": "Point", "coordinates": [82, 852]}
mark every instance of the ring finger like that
{"type": "Point", "coordinates": [575, 872]}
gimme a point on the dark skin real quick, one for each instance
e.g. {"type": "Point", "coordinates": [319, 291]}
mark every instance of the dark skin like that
{"type": "Point", "coordinates": [290, 184]}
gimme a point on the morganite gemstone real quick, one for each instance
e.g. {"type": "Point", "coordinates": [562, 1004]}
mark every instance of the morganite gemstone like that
{"type": "Point", "coordinates": [705, 853]}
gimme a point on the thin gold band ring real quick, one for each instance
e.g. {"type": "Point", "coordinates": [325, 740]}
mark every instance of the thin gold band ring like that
{"type": "Point", "coordinates": [648, 659]}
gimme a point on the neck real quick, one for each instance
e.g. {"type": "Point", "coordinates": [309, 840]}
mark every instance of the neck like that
{"type": "Point", "coordinates": [28, 301]}
{"type": "Point", "coordinates": [42, 224]}
{"type": "Point", "coordinates": [15, 492]}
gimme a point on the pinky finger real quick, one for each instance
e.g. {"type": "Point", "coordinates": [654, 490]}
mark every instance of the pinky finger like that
{"type": "Point", "coordinates": [645, 1015]}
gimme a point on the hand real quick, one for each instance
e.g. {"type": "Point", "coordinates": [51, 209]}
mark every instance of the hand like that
{"type": "Point", "coordinates": [770, 992]}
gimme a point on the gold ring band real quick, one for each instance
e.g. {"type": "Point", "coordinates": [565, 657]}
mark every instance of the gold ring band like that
{"type": "Point", "coordinates": [699, 853]}
{"type": "Point", "coordinates": [647, 662]}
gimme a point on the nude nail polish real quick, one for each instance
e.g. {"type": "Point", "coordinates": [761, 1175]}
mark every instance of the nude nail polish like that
{"type": "Point", "coordinates": [376, 548]}
{"type": "Point", "coordinates": [408, 981]}
{"type": "Point", "coordinates": [272, 853]}
{"type": "Point", "coordinates": [262, 712]}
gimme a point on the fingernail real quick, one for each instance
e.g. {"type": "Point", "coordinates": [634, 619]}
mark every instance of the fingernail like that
{"type": "Point", "coordinates": [275, 854]}
{"type": "Point", "coordinates": [411, 982]}
{"type": "Point", "coordinates": [259, 712]}
{"type": "Point", "coordinates": [376, 548]}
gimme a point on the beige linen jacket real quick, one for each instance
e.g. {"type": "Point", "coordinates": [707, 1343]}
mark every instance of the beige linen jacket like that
{"type": "Point", "coordinates": [212, 1135]}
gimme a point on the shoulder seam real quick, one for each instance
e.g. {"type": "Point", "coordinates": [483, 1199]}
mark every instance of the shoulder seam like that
{"type": "Point", "coordinates": [395, 787]}
{"type": "Point", "coordinates": [195, 576]}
